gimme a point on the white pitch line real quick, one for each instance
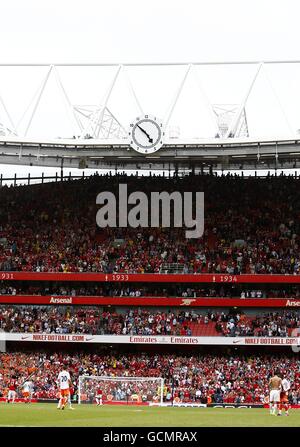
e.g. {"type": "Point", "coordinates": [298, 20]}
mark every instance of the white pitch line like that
{"type": "Point", "coordinates": [6, 425]}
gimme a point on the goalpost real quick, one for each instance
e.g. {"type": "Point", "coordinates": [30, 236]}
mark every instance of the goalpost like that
{"type": "Point", "coordinates": [123, 390]}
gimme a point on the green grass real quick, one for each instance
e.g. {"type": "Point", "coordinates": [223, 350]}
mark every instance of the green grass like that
{"type": "Point", "coordinates": [47, 415]}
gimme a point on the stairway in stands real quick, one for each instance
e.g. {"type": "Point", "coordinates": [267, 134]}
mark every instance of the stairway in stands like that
{"type": "Point", "coordinates": [204, 330]}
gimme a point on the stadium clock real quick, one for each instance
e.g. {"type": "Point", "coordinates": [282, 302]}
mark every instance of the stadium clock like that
{"type": "Point", "coordinates": [146, 134]}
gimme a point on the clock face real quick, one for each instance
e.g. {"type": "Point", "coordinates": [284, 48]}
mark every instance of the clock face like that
{"type": "Point", "coordinates": [146, 134]}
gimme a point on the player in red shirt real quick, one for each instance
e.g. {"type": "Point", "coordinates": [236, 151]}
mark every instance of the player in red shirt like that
{"type": "Point", "coordinates": [99, 397]}
{"type": "Point", "coordinates": [12, 391]}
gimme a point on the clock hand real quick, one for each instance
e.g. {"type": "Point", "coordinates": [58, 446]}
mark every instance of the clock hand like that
{"type": "Point", "coordinates": [143, 130]}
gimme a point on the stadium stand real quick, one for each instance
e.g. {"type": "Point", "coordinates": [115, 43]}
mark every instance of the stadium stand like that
{"type": "Point", "coordinates": [152, 290]}
{"type": "Point", "coordinates": [251, 226]}
{"type": "Point", "coordinates": [192, 378]}
{"type": "Point", "coordinates": [137, 321]}
{"type": "Point", "coordinates": [251, 229]}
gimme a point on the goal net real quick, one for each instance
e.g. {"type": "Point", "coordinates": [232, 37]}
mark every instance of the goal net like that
{"type": "Point", "coordinates": [122, 390]}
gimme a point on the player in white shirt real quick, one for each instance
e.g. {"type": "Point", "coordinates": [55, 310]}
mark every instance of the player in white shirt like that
{"type": "Point", "coordinates": [27, 391]}
{"type": "Point", "coordinates": [64, 384]}
{"type": "Point", "coordinates": [284, 396]}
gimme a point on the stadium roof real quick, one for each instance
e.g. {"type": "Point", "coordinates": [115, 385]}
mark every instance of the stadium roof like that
{"type": "Point", "coordinates": [224, 155]}
{"type": "Point", "coordinates": [228, 115]}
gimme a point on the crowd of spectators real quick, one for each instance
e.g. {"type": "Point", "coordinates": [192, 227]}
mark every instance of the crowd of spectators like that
{"type": "Point", "coordinates": [92, 320]}
{"type": "Point", "coordinates": [251, 226]}
{"type": "Point", "coordinates": [152, 290]}
{"type": "Point", "coordinates": [189, 377]}
{"type": "Point", "coordinates": [273, 324]}
{"type": "Point", "coordinates": [265, 324]}
{"type": "Point", "coordinates": [138, 321]}
{"type": "Point", "coordinates": [50, 319]}
{"type": "Point", "coordinates": [145, 322]}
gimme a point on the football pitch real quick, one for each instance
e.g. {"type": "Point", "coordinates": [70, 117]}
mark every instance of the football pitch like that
{"type": "Point", "coordinates": [47, 415]}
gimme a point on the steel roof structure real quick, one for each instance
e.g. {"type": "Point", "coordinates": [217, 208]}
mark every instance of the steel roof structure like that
{"type": "Point", "coordinates": [99, 135]}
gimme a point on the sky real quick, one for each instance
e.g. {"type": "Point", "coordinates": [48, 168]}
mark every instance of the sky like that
{"type": "Point", "coordinates": [148, 31]}
{"type": "Point", "coordinates": [139, 31]}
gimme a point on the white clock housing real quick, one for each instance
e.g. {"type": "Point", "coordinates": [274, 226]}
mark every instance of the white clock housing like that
{"type": "Point", "coordinates": [146, 134]}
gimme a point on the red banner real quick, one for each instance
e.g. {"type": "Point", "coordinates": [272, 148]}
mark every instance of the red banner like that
{"type": "Point", "coordinates": [149, 277]}
{"type": "Point", "coordinates": [148, 301]}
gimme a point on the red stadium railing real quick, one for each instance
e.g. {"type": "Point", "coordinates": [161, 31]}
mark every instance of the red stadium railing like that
{"type": "Point", "coordinates": [149, 277]}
